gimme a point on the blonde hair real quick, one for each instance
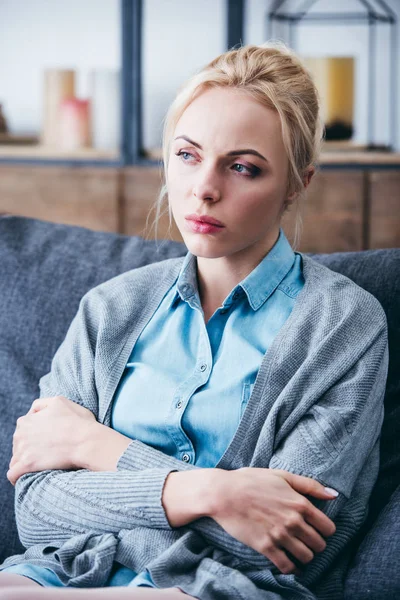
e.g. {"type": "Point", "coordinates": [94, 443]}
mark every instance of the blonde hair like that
{"type": "Point", "coordinates": [275, 77]}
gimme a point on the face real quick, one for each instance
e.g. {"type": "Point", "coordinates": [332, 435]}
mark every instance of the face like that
{"type": "Point", "coordinates": [228, 162]}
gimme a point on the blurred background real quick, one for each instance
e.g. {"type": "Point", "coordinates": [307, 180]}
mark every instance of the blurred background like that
{"type": "Point", "coordinates": [84, 88]}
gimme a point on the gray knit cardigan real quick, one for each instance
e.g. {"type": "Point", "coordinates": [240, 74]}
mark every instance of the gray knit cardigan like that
{"type": "Point", "coordinates": [316, 410]}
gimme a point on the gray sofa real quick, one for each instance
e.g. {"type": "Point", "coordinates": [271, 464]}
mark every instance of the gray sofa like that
{"type": "Point", "coordinates": [44, 271]}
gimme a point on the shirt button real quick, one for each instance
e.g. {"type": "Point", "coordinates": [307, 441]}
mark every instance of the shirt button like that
{"type": "Point", "coordinates": [223, 311]}
{"type": "Point", "coordinates": [236, 295]}
{"type": "Point", "coordinates": [179, 404]}
{"type": "Point", "coordinates": [186, 287]}
{"type": "Point", "coordinates": [185, 457]}
{"type": "Point", "coordinates": [203, 367]}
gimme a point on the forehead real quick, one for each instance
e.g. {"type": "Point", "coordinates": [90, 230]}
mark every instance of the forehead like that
{"type": "Point", "coordinates": [225, 119]}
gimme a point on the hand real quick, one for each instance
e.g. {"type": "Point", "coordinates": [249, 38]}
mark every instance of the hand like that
{"type": "Point", "coordinates": [48, 436]}
{"type": "Point", "coordinates": [266, 509]}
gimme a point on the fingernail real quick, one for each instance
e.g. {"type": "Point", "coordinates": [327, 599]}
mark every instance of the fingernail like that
{"type": "Point", "coordinates": [331, 492]}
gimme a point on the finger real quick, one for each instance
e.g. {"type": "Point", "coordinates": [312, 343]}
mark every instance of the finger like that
{"type": "Point", "coordinates": [14, 474]}
{"type": "Point", "coordinates": [37, 405]}
{"type": "Point", "coordinates": [297, 549]}
{"type": "Point", "coordinates": [280, 560]}
{"type": "Point", "coordinates": [317, 519]}
{"type": "Point", "coordinates": [12, 462]}
{"type": "Point", "coordinates": [310, 487]}
{"type": "Point", "coordinates": [311, 538]}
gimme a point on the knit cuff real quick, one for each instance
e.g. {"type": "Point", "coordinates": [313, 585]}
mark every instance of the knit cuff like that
{"type": "Point", "coordinates": [139, 456]}
{"type": "Point", "coordinates": [149, 486]}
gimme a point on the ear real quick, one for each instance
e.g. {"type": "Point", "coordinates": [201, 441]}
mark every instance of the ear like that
{"type": "Point", "coordinates": [306, 182]}
{"type": "Point", "coordinates": [308, 176]}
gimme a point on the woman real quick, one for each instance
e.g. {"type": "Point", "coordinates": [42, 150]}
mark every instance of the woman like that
{"type": "Point", "coordinates": [210, 425]}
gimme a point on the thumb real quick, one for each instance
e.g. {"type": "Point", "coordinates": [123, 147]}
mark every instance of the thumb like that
{"type": "Point", "coordinates": [310, 487]}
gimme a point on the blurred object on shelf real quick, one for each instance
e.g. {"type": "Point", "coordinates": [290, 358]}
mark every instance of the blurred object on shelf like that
{"type": "Point", "coordinates": [3, 122]}
{"type": "Point", "coordinates": [16, 140]}
{"type": "Point", "coordinates": [154, 153]}
{"type": "Point", "coordinates": [59, 85]}
{"type": "Point", "coordinates": [74, 124]}
{"type": "Point", "coordinates": [282, 22]}
{"type": "Point", "coordinates": [334, 78]}
{"type": "Point", "coordinates": [105, 87]}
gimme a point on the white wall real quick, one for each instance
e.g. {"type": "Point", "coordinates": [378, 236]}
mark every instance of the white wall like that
{"type": "Point", "coordinates": [39, 34]}
{"type": "Point", "coordinates": [179, 37]}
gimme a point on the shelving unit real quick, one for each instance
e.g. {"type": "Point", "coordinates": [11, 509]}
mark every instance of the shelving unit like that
{"type": "Point", "coordinates": [352, 204]}
{"type": "Point", "coordinates": [131, 150]}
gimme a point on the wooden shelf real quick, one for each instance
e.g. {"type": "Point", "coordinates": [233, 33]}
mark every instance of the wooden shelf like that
{"type": "Point", "coordinates": [333, 153]}
{"type": "Point", "coordinates": [39, 151]}
{"type": "Point", "coordinates": [359, 158]}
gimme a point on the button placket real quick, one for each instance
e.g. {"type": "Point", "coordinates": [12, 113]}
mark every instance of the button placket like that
{"type": "Point", "coordinates": [184, 392]}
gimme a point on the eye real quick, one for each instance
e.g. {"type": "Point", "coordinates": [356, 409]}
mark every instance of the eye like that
{"type": "Point", "coordinates": [249, 172]}
{"type": "Point", "coordinates": [183, 154]}
{"type": "Point", "coordinates": [244, 169]}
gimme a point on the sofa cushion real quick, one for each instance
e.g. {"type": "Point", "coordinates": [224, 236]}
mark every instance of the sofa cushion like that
{"type": "Point", "coordinates": [375, 570]}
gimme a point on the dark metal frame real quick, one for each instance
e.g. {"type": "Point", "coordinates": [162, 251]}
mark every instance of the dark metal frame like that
{"type": "Point", "coordinates": [369, 17]}
{"type": "Point", "coordinates": [235, 16]}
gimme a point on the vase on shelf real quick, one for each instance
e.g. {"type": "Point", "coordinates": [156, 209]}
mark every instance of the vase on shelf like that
{"type": "Point", "coordinates": [105, 109]}
{"type": "Point", "coordinates": [59, 85]}
{"type": "Point", "coordinates": [74, 124]}
{"type": "Point", "coordinates": [3, 122]}
{"type": "Point", "coordinates": [334, 78]}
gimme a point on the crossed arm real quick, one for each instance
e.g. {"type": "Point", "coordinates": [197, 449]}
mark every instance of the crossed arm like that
{"type": "Point", "coordinates": [71, 439]}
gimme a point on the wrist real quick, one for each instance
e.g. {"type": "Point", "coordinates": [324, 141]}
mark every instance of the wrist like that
{"type": "Point", "coordinates": [188, 495]}
{"type": "Point", "coordinates": [219, 492]}
{"type": "Point", "coordinates": [100, 448]}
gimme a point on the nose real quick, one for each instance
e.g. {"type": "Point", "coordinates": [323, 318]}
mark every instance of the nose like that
{"type": "Point", "coordinates": [207, 186]}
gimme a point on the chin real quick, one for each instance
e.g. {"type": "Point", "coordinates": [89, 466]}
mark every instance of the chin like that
{"type": "Point", "coordinates": [204, 248]}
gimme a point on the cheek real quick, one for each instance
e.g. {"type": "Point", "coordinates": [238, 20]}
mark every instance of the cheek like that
{"type": "Point", "coordinates": [257, 209]}
{"type": "Point", "coordinates": [176, 181]}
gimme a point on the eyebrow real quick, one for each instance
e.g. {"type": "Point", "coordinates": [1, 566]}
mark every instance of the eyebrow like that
{"type": "Point", "coordinates": [231, 153]}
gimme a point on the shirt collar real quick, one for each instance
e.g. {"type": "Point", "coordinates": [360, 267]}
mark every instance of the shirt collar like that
{"type": "Point", "coordinates": [269, 273]}
{"type": "Point", "coordinates": [186, 284]}
{"type": "Point", "coordinates": [258, 285]}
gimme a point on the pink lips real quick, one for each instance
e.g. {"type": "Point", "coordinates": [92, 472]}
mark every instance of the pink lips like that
{"type": "Point", "coordinates": [203, 223]}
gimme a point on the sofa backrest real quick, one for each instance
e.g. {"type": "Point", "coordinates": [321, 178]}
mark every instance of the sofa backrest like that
{"type": "Point", "coordinates": [46, 268]}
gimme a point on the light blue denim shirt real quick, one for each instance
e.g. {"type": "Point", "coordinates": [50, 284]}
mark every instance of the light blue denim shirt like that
{"type": "Point", "coordinates": [189, 403]}
{"type": "Point", "coordinates": [185, 394]}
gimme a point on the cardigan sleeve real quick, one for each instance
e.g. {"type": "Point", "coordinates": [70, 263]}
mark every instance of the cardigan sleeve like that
{"type": "Point", "coordinates": [54, 505]}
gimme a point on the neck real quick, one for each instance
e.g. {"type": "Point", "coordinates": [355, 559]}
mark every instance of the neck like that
{"type": "Point", "coordinates": [218, 276]}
